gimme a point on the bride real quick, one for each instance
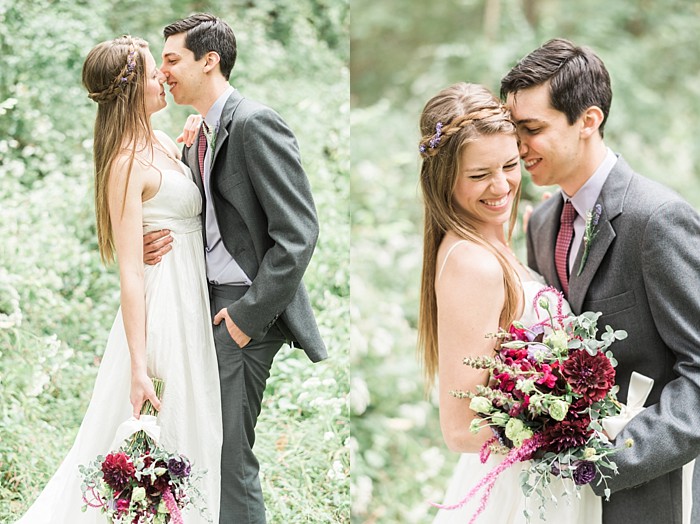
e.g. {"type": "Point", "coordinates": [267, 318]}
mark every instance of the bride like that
{"type": "Point", "coordinates": [163, 327]}
{"type": "Point", "coordinates": [472, 283]}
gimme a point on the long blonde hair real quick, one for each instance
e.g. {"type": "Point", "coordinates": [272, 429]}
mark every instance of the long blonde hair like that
{"type": "Point", "coordinates": [456, 116]}
{"type": "Point", "coordinates": [114, 73]}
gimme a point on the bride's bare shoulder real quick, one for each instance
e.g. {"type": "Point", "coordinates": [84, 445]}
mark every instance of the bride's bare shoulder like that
{"type": "Point", "coordinates": [460, 260]}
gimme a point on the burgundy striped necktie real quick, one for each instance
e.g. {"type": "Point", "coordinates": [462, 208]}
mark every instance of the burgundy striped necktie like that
{"type": "Point", "coordinates": [563, 245]}
{"type": "Point", "coordinates": [202, 147]}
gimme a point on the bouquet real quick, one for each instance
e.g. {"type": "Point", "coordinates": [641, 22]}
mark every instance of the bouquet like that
{"type": "Point", "coordinates": [551, 385]}
{"type": "Point", "coordinates": [141, 482]}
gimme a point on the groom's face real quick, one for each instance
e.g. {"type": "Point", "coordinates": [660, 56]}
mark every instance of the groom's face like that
{"type": "Point", "coordinates": [549, 145]}
{"type": "Point", "coordinates": [183, 73]}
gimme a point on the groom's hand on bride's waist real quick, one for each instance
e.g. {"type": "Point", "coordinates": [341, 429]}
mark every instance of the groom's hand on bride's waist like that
{"type": "Point", "coordinates": [237, 335]}
{"type": "Point", "coordinates": [155, 245]}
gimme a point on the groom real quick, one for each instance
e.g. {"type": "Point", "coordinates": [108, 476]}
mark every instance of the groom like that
{"type": "Point", "coordinates": [260, 229]}
{"type": "Point", "coordinates": [637, 262]}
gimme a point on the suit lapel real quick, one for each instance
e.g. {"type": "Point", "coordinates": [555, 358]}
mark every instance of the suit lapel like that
{"type": "Point", "coordinates": [226, 117]}
{"type": "Point", "coordinates": [611, 199]}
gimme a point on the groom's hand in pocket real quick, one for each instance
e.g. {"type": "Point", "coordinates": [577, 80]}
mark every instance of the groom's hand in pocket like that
{"type": "Point", "coordinates": [155, 245]}
{"type": "Point", "coordinates": [237, 335]}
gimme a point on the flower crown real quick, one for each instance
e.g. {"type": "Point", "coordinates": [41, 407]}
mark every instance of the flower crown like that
{"type": "Point", "coordinates": [430, 145]}
{"type": "Point", "coordinates": [127, 73]}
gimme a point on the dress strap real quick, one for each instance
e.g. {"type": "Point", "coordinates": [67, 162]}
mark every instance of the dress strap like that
{"type": "Point", "coordinates": [449, 252]}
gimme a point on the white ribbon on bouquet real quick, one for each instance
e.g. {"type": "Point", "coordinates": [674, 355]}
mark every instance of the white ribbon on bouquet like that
{"type": "Point", "coordinates": [146, 423]}
{"type": "Point", "coordinates": [640, 387]}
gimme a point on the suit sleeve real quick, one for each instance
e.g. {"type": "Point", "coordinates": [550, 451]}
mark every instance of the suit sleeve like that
{"type": "Point", "coordinates": [282, 188]}
{"type": "Point", "coordinates": [666, 435]}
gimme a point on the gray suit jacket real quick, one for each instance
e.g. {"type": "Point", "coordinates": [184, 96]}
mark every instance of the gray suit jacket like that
{"type": "Point", "coordinates": [266, 214]}
{"type": "Point", "coordinates": [642, 274]}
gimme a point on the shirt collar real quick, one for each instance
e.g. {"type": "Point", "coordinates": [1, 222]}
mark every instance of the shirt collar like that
{"type": "Point", "coordinates": [214, 114]}
{"type": "Point", "coordinates": [585, 198]}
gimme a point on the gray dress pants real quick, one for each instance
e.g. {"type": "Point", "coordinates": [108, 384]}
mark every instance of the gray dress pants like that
{"type": "Point", "coordinates": [243, 373]}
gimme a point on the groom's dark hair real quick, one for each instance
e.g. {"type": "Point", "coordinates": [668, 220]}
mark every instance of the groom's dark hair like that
{"type": "Point", "coordinates": [204, 33]}
{"type": "Point", "coordinates": [577, 78]}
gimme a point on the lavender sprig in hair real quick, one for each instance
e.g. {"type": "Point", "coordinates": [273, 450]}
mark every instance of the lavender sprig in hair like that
{"type": "Point", "coordinates": [130, 63]}
{"type": "Point", "coordinates": [434, 141]}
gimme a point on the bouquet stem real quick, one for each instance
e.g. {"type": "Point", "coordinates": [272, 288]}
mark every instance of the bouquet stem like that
{"type": "Point", "coordinates": [147, 408]}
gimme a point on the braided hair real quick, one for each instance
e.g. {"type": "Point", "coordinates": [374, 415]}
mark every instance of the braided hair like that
{"type": "Point", "coordinates": [455, 117]}
{"type": "Point", "coordinates": [114, 74]}
{"type": "Point", "coordinates": [116, 78]}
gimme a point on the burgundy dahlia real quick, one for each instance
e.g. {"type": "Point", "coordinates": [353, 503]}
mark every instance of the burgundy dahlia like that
{"type": "Point", "coordinates": [578, 409]}
{"type": "Point", "coordinates": [568, 433]}
{"type": "Point", "coordinates": [118, 470]}
{"type": "Point", "coordinates": [584, 472]}
{"type": "Point", "coordinates": [591, 376]}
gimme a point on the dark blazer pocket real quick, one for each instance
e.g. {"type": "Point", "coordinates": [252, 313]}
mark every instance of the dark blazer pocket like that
{"type": "Point", "coordinates": [614, 304]}
{"type": "Point", "coordinates": [230, 181]}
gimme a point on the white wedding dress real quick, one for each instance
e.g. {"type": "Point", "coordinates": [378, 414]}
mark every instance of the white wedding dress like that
{"type": "Point", "coordinates": [507, 503]}
{"type": "Point", "coordinates": [180, 350]}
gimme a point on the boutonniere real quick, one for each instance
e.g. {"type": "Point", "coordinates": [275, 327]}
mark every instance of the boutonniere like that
{"type": "Point", "coordinates": [589, 233]}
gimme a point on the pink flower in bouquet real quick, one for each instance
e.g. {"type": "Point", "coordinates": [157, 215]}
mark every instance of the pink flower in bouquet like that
{"type": "Point", "coordinates": [117, 470]}
{"type": "Point", "coordinates": [515, 357]}
{"type": "Point", "coordinates": [548, 378]}
{"type": "Point", "coordinates": [504, 382]}
{"type": "Point", "coordinates": [518, 407]}
{"type": "Point", "coordinates": [589, 375]}
{"type": "Point", "coordinates": [518, 333]}
{"type": "Point", "coordinates": [123, 505]}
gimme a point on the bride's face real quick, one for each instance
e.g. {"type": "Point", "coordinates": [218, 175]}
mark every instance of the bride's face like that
{"type": "Point", "coordinates": [488, 180]}
{"type": "Point", "coordinates": [155, 92]}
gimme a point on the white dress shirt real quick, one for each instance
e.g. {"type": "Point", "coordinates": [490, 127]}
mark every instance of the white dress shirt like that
{"type": "Point", "coordinates": [221, 267]}
{"type": "Point", "coordinates": [584, 200]}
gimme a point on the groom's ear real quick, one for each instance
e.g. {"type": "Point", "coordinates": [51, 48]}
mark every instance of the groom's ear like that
{"type": "Point", "coordinates": [212, 59]}
{"type": "Point", "coordinates": [591, 119]}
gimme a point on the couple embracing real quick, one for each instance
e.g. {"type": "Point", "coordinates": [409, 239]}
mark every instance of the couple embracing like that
{"type": "Point", "coordinates": [640, 270]}
{"type": "Point", "coordinates": [226, 231]}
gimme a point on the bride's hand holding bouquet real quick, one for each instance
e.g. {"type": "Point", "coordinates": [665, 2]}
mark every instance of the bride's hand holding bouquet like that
{"type": "Point", "coordinates": [140, 481]}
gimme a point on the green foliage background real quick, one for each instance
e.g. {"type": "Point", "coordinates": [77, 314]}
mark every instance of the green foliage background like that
{"type": "Point", "coordinates": [57, 302]}
{"type": "Point", "coordinates": [403, 52]}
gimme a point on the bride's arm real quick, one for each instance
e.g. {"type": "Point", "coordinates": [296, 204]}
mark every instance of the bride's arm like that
{"type": "Point", "coordinates": [125, 210]}
{"type": "Point", "coordinates": [470, 297]}
{"type": "Point", "coordinates": [190, 130]}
